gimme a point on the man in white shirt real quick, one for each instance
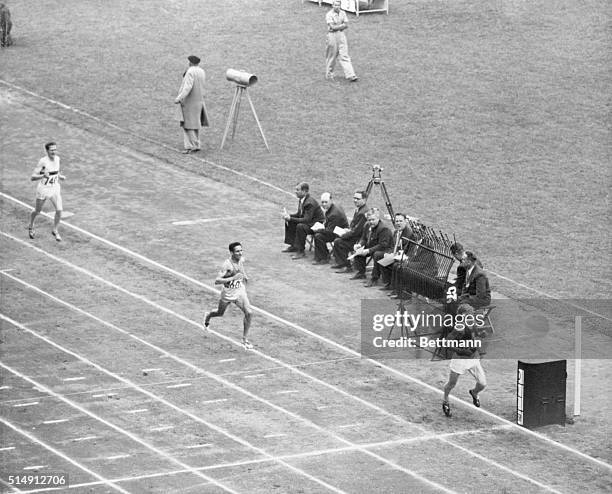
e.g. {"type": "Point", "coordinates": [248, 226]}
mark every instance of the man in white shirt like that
{"type": "Point", "coordinates": [47, 174]}
{"type": "Point", "coordinates": [337, 47]}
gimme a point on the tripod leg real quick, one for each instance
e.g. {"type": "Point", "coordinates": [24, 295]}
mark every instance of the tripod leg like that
{"type": "Point", "coordinates": [258, 124]}
{"type": "Point", "coordinates": [239, 91]}
{"type": "Point", "coordinates": [230, 118]}
{"type": "Point", "coordinates": [383, 188]}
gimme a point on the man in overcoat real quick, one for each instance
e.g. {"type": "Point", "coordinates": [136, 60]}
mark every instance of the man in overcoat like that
{"type": "Point", "coordinates": [193, 115]}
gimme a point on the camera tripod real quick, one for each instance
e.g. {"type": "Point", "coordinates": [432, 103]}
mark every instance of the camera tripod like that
{"type": "Point", "coordinates": [377, 180]}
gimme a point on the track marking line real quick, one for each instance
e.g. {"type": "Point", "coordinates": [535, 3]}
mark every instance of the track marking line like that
{"type": "Point", "coordinates": [57, 421]}
{"type": "Point", "coordinates": [280, 363]}
{"type": "Point", "coordinates": [253, 376]}
{"type": "Point", "coordinates": [297, 327]}
{"type": "Point", "coordinates": [126, 433]}
{"type": "Point", "coordinates": [25, 404]}
{"type": "Point", "coordinates": [183, 385]}
{"type": "Point", "coordinates": [269, 436]}
{"type": "Point", "coordinates": [86, 438]}
{"type": "Point", "coordinates": [287, 392]}
{"type": "Point", "coordinates": [139, 410]}
{"type": "Point", "coordinates": [8, 448]}
{"type": "Point", "coordinates": [150, 395]}
{"type": "Point", "coordinates": [208, 402]}
{"type": "Point", "coordinates": [116, 457]}
{"type": "Point", "coordinates": [227, 360]}
{"type": "Point", "coordinates": [196, 446]}
{"type": "Point", "coordinates": [103, 395]}
{"type": "Point", "coordinates": [67, 379]}
{"type": "Point", "coordinates": [162, 428]}
{"type": "Point", "coordinates": [209, 220]}
{"type": "Point", "coordinates": [347, 426]}
{"type": "Point", "coordinates": [35, 467]}
{"type": "Point", "coordinates": [151, 370]}
{"type": "Point", "coordinates": [6, 387]}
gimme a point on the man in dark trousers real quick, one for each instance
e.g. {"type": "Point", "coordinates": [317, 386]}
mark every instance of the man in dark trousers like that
{"type": "Point", "coordinates": [344, 244]}
{"type": "Point", "coordinates": [376, 237]}
{"type": "Point", "coordinates": [334, 217]}
{"type": "Point", "coordinates": [298, 225]}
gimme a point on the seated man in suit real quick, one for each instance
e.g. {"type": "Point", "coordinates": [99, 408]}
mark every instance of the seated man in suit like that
{"type": "Point", "coordinates": [376, 237]}
{"type": "Point", "coordinates": [334, 217]}
{"type": "Point", "coordinates": [344, 244]}
{"type": "Point", "coordinates": [476, 290]}
{"type": "Point", "coordinates": [401, 241]}
{"type": "Point", "coordinates": [298, 225]}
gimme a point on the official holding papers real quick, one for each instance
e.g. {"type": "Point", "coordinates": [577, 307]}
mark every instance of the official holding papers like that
{"type": "Point", "coordinates": [335, 220]}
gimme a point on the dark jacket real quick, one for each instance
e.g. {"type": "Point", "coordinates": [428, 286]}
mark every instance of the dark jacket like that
{"type": "Point", "coordinates": [310, 212]}
{"type": "Point", "coordinates": [335, 216]}
{"type": "Point", "coordinates": [476, 290]}
{"type": "Point", "coordinates": [357, 225]}
{"type": "Point", "coordinates": [377, 238]}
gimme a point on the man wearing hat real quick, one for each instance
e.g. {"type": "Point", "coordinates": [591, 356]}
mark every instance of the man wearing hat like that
{"type": "Point", "coordinates": [193, 114]}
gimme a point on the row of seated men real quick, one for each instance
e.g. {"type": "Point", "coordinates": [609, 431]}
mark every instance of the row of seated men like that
{"type": "Point", "coordinates": [396, 252]}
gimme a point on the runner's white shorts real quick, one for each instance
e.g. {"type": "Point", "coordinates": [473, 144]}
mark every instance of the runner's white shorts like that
{"type": "Point", "coordinates": [470, 365]}
{"type": "Point", "coordinates": [52, 195]}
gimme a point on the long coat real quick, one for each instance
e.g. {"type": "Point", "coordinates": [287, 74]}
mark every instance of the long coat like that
{"type": "Point", "coordinates": [191, 96]}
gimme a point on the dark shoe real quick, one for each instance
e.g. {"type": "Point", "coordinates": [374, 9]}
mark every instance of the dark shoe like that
{"type": "Point", "coordinates": [195, 150]}
{"type": "Point", "coordinates": [186, 151]}
{"type": "Point", "coordinates": [31, 233]}
{"type": "Point", "coordinates": [348, 269]}
{"type": "Point", "coordinates": [353, 79]}
{"type": "Point", "coordinates": [475, 399]}
{"type": "Point", "coordinates": [338, 266]}
{"type": "Point", "coordinates": [57, 236]}
{"type": "Point", "coordinates": [300, 255]}
{"type": "Point", "coordinates": [321, 261]}
{"type": "Point", "coordinates": [358, 276]}
{"type": "Point", "coordinates": [370, 283]}
{"type": "Point", "coordinates": [446, 408]}
{"type": "Point", "coordinates": [386, 287]}
{"type": "Point", "coordinates": [289, 249]}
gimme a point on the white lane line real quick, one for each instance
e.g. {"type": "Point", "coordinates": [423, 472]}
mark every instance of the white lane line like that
{"type": "Point", "coordinates": [126, 433]}
{"type": "Point", "coordinates": [269, 436]}
{"type": "Point", "coordinates": [144, 138]}
{"type": "Point", "coordinates": [162, 428]}
{"type": "Point", "coordinates": [58, 421]}
{"type": "Point", "coordinates": [348, 426]}
{"type": "Point", "coordinates": [299, 328]}
{"type": "Point", "coordinates": [35, 467]}
{"type": "Point", "coordinates": [253, 376]}
{"type": "Point", "coordinates": [182, 385]}
{"type": "Point", "coordinates": [6, 387]}
{"type": "Point", "coordinates": [227, 360]}
{"type": "Point", "coordinates": [116, 457]}
{"type": "Point", "coordinates": [151, 370]}
{"type": "Point", "coordinates": [154, 397]}
{"type": "Point", "coordinates": [8, 448]}
{"type": "Point", "coordinates": [196, 446]}
{"type": "Point", "coordinates": [25, 404]}
{"type": "Point", "coordinates": [288, 366]}
{"type": "Point", "coordinates": [104, 395]}
{"type": "Point", "coordinates": [86, 438]}
{"type": "Point", "coordinates": [74, 379]}
{"type": "Point", "coordinates": [208, 402]}
{"type": "Point", "coordinates": [208, 220]}
{"type": "Point", "coordinates": [287, 391]}
{"type": "Point", "coordinates": [139, 410]}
